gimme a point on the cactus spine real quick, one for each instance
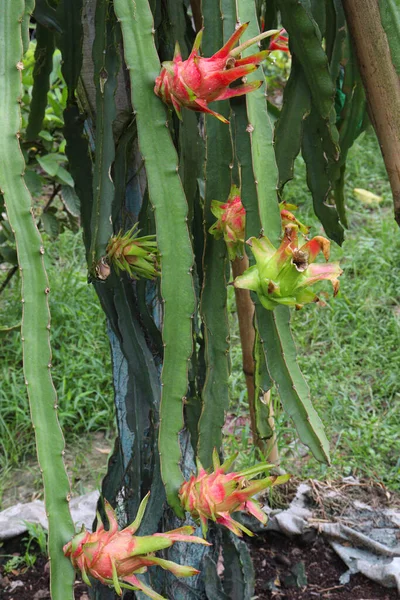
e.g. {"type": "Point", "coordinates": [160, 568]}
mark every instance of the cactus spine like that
{"type": "Point", "coordinates": [35, 289]}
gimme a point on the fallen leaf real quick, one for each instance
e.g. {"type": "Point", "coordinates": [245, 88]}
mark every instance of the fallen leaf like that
{"type": "Point", "coordinates": [367, 197]}
{"type": "Point", "coordinates": [103, 450]}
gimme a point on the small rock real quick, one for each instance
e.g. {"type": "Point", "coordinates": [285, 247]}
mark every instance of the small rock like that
{"type": "Point", "coordinates": [41, 594]}
{"type": "Point", "coordinates": [281, 559]}
{"type": "Point", "coordinates": [14, 585]}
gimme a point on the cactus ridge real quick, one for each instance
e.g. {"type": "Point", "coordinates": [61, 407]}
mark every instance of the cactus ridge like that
{"type": "Point", "coordinates": [29, 6]}
{"type": "Point", "coordinates": [305, 43]}
{"type": "Point", "coordinates": [213, 305]}
{"type": "Point", "coordinates": [280, 355]}
{"type": "Point", "coordinates": [275, 336]}
{"type": "Point", "coordinates": [260, 131]}
{"type": "Point", "coordinates": [35, 329]}
{"type": "Point", "coordinates": [289, 127]}
{"type": "Point", "coordinates": [106, 66]}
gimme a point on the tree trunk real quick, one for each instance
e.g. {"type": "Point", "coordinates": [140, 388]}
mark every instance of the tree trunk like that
{"type": "Point", "coordinates": [381, 82]}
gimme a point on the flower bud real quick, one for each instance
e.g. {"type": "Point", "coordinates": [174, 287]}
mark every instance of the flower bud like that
{"type": "Point", "coordinates": [138, 256]}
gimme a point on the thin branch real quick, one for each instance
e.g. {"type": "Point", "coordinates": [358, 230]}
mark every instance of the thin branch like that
{"type": "Point", "coordinates": [8, 278]}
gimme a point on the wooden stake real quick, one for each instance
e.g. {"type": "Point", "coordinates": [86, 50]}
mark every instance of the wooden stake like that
{"type": "Point", "coordinates": [245, 312]}
{"type": "Point", "coordinates": [381, 84]}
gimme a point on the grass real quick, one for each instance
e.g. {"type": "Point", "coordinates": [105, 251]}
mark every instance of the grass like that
{"type": "Point", "coordinates": [349, 349]}
{"type": "Point", "coordinates": [81, 358]}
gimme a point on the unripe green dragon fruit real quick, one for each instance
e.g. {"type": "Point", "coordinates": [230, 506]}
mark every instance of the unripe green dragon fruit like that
{"type": "Point", "coordinates": [138, 256]}
{"type": "Point", "coordinates": [284, 275]}
{"type": "Point", "coordinates": [217, 495]}
{"type": "Point", "coordinates": [231, 222]}
{"type": "Point", "coordinates": [197, 81]}
{"type": "Point", "coordinates": [113, 557]}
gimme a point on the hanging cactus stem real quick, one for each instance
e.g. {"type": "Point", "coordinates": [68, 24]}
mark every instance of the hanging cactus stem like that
{"type": "Point", "coordinates": [35, 328]}
{"type": "Point", "coordinates": [161, 163]}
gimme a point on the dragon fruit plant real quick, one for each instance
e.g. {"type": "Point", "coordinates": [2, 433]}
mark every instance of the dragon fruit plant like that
{"type": "Point", "coordinates": [197, 81]}
{"type": "Point", "coordinates": [126, 155]}
{"type": "Point", "coordinates": [216, 495]}
{"type": "Point", "coordinates": [138, 256]}
{"type": "Point", "coordinates": [284, 275]}
{"type": "Point", "coordinates": [113, 557]}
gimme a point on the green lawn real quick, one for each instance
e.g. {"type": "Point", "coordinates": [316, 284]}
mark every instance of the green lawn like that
{"type": "Point", "coordinates": [81, 359]}
{"type": "Point", "coordinates": [349, 349]}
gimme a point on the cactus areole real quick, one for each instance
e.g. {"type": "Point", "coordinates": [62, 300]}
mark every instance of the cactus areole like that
{"type": "Point", "coordinates": [114, 557]}
{"type": "Point", "coordinates": [197, 81]}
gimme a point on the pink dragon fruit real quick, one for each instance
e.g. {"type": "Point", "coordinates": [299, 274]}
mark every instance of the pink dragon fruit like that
{"type": "Point", "coordinates": [231, 222]}
{"type": "Point", "coordinates": [113, 557]}
{"type": "Point", "coordinates": [218, 494]}
{"type": "Point", "coordinates": [284, 275]}
{"type": "Point", "coordinates": [197, 81]}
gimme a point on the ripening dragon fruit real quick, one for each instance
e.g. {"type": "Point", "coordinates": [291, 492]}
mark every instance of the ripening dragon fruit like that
{"type": "Point", "coordinates": [217, 495]}
{"type": "Point", "coordinates": [113, 557]}
{"type": "Point", "coordinates": [231, 222]}
{"type": "Point", "coordinates": [197, 81]}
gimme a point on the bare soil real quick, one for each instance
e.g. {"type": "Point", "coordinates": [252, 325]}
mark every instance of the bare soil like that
{"type": "Point", "coordinates": [290, 570]}
{"type": "Point", "coordinates": [285, 570]}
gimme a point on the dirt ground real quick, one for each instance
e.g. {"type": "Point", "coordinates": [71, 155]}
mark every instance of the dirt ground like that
{"type": "Point", "coordinates": [285, 570]}
{"type": "Point", "coordinates": [288, 570]}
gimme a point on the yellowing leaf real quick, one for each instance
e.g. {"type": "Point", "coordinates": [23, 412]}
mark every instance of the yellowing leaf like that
{"type": "Point", "coordinates": [367, 197]}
